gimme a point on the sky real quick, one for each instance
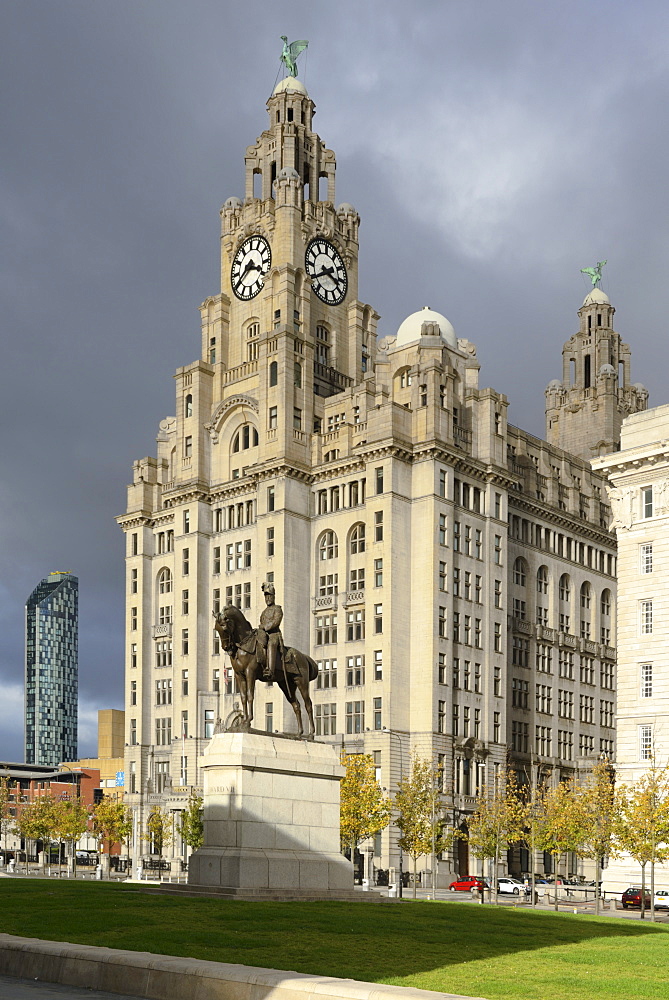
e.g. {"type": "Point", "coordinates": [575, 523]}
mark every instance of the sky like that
{"type": "Point", "coordinates": [492, 151]}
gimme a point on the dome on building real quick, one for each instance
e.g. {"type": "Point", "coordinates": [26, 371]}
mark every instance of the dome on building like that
{"type": "Point", "coordinates": [346, 209]}
{"type": "Point", "coordinates": [607, 370]}
{"type": "Point", "coordinates": [596, 296]}
{"type": "Point", "coordinates": [411, 329]}
{"type": "Point", "coordinates": [288, 174]}
{"type": "Point", "coordinates": [233, 203]}
{"type": "Point", "coordinates": [290, 83]}
{"type": "Point", "coordinates": [555, 384]}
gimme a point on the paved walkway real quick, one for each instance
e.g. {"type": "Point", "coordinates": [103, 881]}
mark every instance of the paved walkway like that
{"type": "Point", "coordinates": [28, 989]}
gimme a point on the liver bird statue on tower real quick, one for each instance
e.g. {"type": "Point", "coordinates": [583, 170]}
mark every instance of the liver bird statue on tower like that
{"type": "Point", "coordinates": [595, 273]}
{"type": "Point", "coordinates": [291, 52]}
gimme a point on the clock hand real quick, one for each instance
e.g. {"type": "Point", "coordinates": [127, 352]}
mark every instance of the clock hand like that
{"type": "Point", "coordinates": [329, 273]}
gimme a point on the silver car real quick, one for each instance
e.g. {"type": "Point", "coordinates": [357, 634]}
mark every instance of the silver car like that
{"type": "Point", "coordinates": [512, 885]}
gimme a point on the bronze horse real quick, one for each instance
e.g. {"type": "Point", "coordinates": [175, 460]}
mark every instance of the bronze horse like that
{"type": "Point", "coordinates": [293, 673]}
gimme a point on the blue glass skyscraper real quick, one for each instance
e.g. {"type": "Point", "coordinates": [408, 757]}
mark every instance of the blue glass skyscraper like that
{"type": "Point", "coordinates": [52, 670]}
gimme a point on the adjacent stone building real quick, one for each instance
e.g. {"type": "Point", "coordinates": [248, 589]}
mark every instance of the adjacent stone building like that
{"type": "Point", "coordinates": [639, 492]}
{"type": "Point", "coordinates": [453, 576]}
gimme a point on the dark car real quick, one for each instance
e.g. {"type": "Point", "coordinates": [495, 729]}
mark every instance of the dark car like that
{"type": "Point", "coordinates": [632, 897]}
{"type": "Point", "coordinates": [468, 883]}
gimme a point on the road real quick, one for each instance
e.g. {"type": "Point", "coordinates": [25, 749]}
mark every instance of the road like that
{"type": "Point", "coordinates": [30, 989]}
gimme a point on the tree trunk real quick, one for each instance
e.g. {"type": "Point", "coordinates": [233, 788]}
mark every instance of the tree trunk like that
{"type": "Point", "coordinates": [555, 881]}
{"type": "Point", "coordinates": [643, 891]}
{"type": "Point", "coordinates": [414, 876]}
{"type": "Point", "coordinates": [598, 871]}
{"type": "Point", "coordinates": [652, 889]}
{"type": "Point", "coordinates": [494, 874]}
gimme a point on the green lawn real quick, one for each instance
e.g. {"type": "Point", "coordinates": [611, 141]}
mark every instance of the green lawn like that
{"type": "Point", "coordinates": [451, 947]}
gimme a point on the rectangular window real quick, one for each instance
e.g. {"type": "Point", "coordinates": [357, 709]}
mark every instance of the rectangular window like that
{"type": "Point", "coordinates": [478, 634]}
{"type": "Point", "coordinates": [133, 619]}
{"type": "Point", "coordinates": [441, 668]}
{"type": "Point", "coordinates": [497, 682]}
{"type": "Point", "coordinates": [457, 536]}
{"type": "Point", "coordinates": [230, 557]}
{"type": "Point", "coordinates": [646, 680]}
{"type": "Point", "coordinates": [355, 671]}
{"type": "Point", "coordinates": [185, 603]}
{"type": "Point", "coordinates": [269, 717]}
{"type": "Point", "coordinates": [133, 581]}
{"type": "Point", "coordinates": [378, 526]}
{"type": "Point", "coordinates": [478, 589]}
{"type": "Point", "coordinates": [606, 714]}
{"type": "Point", "coordinates": [442, 529]}
{"type": "Point", "coordinates": [326, 630]}
{"type": "Point", "coordinates": [185, 562]}
{"type": "Point", "coordinates": [442, 576]}
{"type": "Point", "coordinates": [270, 499]}
{"type": "Point", "coordinates": [565, 704]}
{"type": "Point", "coordinates": [455, 723]}
{"type": "Point", "coordinates": [646, 615]}
{"type": "Point", "coordinates": [378, 619]}
{"type": "Point", "coordinates": [133, 732]}
{"type": "Point", "coordinates": [478, 544]}
{"type": "Point", "coordinates": [133, 692]}
{"type": "Point", "coordinates": [520, 652]}
{"type": "Point", "coordinates": [355, 717]}
{"type": "Point", "coordinates": [566, 664]}
{"type": "Point", "coordinates": [647, 501]}
{"type": "Point", "coordinates": [163, 732]}
{"type": "Point", "coordinates": [441, 716]}
{"type": "Point", "coordinates": [355, 625]}
{"type": "Point", "coordinates": [378, 664]}
{"type": "Point", "coordinates": [217, 560]}
{"type": "Point", "coordinates": [498, 550]}
{"type": "Point", "coordinates": [544, 658]}
{"type": "Point", "coordinates": [442, 482]}
{"type": "Point", "coordinates": [378, 572]}
{"type": "Point", "coordinates": [186, 520]}
{"type": "Point", "coordinates": [495, 727]}
{"type": "Point", "coordinates": [208, 723]}
{"type": "Point", "coordinates": [497, 638]}
{"type": "Point", "coordinates": [520, 693]}
{"type": "Point", "coordinates": [477, 678]}
{"type": "Point", "coordinates": [273, 418]}
{"type": "Point", "coordinates": [379, 480]}
{"type": "Point", "coordinates": [544, 699]}
{"type": "Point", "coordinates": [270, 542]}
{"type": "Point", "coordinates": [587, 708]}
{"type": "Point", "coordinates": [645, 742]}
{"type": "Point", "coordinates": [646, 557]}
{"type": "Point", "coordinates": [133, 654]}
{"type": "Point", "coordinates": [134, 544]}
{"type": "Point", "coordinates": [297, 419]}
{"type": "Point", "coordinates": [498, 593]}
{"type": "Point", "coordinates": [184, 642]}
{"type": "Point", "coordinates": [377, 714]}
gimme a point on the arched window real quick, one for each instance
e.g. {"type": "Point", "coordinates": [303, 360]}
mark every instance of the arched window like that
{"type": "Point", "coordinates": [605, 603]}
{"type": "Point", "coordinates": [327, 546]}
{"type": "Point", "coordinates": [519, 572]}
{"type": "Point", "coordinates": [564, 587]}
{"type": "Point", "coordinates": [188, 406]}
{"type": "Point", "coordinates": [297, 376]}
{"type": "Point", "coordinates": [273, 373]}
{"type": "Point", "coordinates": [252, 339]}
{"type": "Point", "coordinates": [357, 539]}
{"type": "Point", "coordinates": [542, 580]}
{"type": "Point", "coordinates": [246, 437]}
{"type": "Point", "coordinates": [586, 596]}
{"type": "Point", "coordinates": [164, 582]}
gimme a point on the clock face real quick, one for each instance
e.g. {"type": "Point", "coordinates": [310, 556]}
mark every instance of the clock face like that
{"type": "Point", "coordinates": [249, 267]}
{"type": "Point", "coordinates": [327, 272]}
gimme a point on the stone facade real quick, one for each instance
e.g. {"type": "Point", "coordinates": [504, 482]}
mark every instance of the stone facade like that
{"type": "Point", "coordinates": [453, 576]}
{"type": "Point", "coordinates": [639, 492]}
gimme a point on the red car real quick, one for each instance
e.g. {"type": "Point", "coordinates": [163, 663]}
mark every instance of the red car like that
{"type": "Point", "coordinates": [468, 883]}
{"type": "Point", "coordinates": [632, 897]}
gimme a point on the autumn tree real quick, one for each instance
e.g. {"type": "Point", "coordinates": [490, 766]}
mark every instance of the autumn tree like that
{"type": "Point", "coordinates": [112, 823]}
{"type": "Point", "coordinates": [7, 786]}
{"type": "Point", "coordinates": [499, 820]}
{"type": "Point", "coordinates": [598, 809]}
{"type": "Point", "coordinates": [192, 822]}
{"type": "Point", "coordinates": [158, 830]}
{"type": "Point", "coordinates": [561, 824]}
{"type": "Point", "coordinates": [71, 822]}
{"type": "Point", "coordinates": [642, 823]}
{"type": "Point", "coordinates": [37, 821]}
{"type": "Point", "coordinates": [419, 813]}
{"type": "Point", "coordinates": [364, 810]}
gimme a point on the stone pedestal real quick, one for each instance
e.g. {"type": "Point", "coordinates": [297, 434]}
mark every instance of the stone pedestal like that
{"type": "Point", "coordinates": [271, 819]}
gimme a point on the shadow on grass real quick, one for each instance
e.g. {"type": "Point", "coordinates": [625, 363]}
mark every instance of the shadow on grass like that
{"type": "Point", "coordinates": [358, 941]}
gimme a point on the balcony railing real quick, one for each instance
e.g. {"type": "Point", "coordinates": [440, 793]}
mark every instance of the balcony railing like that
{"type": "Point", "coordinates": [162, 631]}
{"type": "Point", "coordinates": [324, 602]}
{"type": "Point", "coordinates": [355, 597]}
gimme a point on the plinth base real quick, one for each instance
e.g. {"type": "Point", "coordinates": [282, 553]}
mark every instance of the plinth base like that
{"type": "Point", "coordinates": [271, 819]}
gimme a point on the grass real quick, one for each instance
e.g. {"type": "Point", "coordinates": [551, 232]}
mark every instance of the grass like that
{"type": "Point", "coordinates": [455, 948]}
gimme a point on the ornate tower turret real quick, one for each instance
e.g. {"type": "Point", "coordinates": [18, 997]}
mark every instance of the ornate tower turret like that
{"type": "Point", "coordinates": [585, 410]}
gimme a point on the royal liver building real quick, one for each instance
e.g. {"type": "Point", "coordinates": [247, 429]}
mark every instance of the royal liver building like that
{"type": "Point", "coordinates": [453, 576]}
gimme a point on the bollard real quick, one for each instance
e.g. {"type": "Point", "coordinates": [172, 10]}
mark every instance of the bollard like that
{"type": "Point", "coordinates": [98, 872]}
{"type": "Point", "coordinates": [365, 885]}
{"type": "Point", "coordinates": [392, 890]}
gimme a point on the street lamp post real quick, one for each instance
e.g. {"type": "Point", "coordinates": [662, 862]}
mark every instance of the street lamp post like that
{"type": "Point", "coordinates": [399, 738]}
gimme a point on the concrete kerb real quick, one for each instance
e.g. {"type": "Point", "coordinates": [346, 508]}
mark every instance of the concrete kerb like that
{"type": "Point", "coordinates": [161, 977]}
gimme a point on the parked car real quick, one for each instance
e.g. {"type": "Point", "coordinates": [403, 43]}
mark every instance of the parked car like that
{"type": "Point", "coordinates": [468, 883]}
{"type": "Point", "coordinates": [512, 885]}
{"type": "Point", "coordinates": [661, 899]}
{"type": "Point", "coordinates": [632, 897]}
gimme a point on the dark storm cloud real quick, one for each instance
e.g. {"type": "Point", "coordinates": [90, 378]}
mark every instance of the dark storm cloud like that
{"type": "Point", "coordinates": [491, 149]}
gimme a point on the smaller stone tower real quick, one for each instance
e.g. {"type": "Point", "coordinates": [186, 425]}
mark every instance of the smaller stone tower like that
{"type": "Point", "coordinates": [585, 411]}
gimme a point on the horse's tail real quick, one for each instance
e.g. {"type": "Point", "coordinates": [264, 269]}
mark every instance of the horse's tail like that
{"type": "Point", "coordinates": [313, 668]}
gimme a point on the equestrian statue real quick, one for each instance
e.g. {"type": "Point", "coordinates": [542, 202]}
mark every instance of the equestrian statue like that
{"type": "Point", "coordinates": [260, 654]}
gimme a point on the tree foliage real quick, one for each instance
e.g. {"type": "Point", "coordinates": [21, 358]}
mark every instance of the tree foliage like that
{"type": "Point", "coordinates": [419, 813]}
{"type": "Point", "coordinates": [561, 823]}
{"type": "Point", "coordinates": [192, 821]}
{"type": "Point", "coordinates": [158, 830]}
{"type": "Point", "coordinates": [596, 800]}
{"type": "Point", "coordinates": [112, 823]}
{"type": "Point", "coordinates": [500, 819]}
{"type": "Point", "coordinates": [641, 825]}
{"type": "Point", "coordinates": [364, 809]}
